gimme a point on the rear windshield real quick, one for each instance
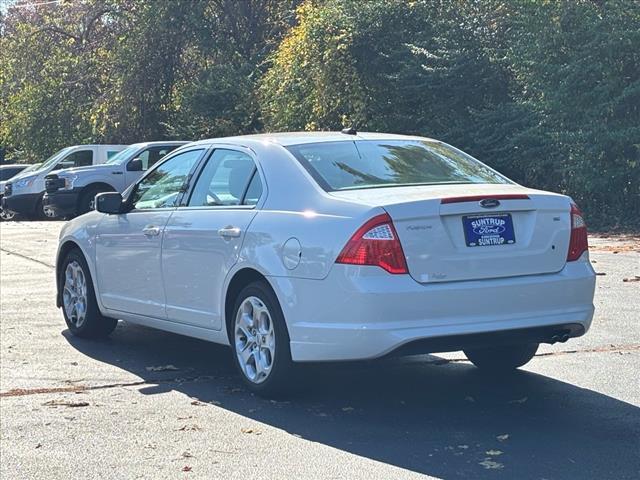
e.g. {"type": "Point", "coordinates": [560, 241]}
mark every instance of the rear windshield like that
{"type": "Point", "coordinates": [377, 163]}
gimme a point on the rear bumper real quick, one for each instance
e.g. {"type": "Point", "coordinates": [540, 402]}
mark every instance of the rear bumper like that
{"type": "Point", "coordinates": [24, 204]}
{"type": "Point", "coordinates": [62, 203]}
{"type": "Point", "coordinates": [363, 312]}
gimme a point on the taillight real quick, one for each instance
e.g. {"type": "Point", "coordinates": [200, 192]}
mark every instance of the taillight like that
{"type": "Point", "coordinates": [578, 242]}
{"type": "Point", "coordinates": [375, 243]}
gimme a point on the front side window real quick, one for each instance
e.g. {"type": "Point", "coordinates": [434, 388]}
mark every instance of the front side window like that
{"type": "Point", "coordinates": [225, 180]}
{"type": "Point", "coordinates": [151, 155]}
{"type": "Point", "coordinates": [378, 163]}
{"type": "Point", "coordinates": [122, 155]}
{"type": "Point", "coordinates": [79, 158]}
{"type": "Point", "coordinates": [7, 173]}
{"type": "Point", "coordinates": [54, 158]}
{"type": "Point", "coordinates": [164, 185]}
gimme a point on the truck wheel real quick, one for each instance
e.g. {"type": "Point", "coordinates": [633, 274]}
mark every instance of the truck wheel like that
{"type": "Point", "coordinates": [88, 199]}
{"type": "Point", "coordinates": [43, 212]}
{"type": "Point", "coordinates": [6, 215]}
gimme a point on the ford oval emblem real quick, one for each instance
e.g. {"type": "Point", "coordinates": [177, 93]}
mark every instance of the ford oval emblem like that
{"type": "Point", "coordinates": [489, 203]}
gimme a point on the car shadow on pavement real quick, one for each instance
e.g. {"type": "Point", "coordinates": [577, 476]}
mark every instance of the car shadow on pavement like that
{"type": "Point", "coordinates": [424, 414]}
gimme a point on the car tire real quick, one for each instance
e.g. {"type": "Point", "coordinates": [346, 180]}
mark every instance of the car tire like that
{"type": "Point", "coordinates": [39, 213]}
{"type": "Point", "coordinates": [87, 199]}
{"type": "Point", "coordinates": [502, 358]}
{"type": "Point", "coordinates": [79, 305]}
{"type": "Point", "coordinates": [6, 215]}
{"type": "Point", "coordinates": [257, 328]}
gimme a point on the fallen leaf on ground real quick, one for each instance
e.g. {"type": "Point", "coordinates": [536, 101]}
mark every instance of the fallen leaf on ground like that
{"type": "Point", "coordinates": [186, 468]}
{"type": "Point", "coordinates": [503, 437]}
{"type": "Point", "coordinates": [65, 403]}
{"type": "Point", "coordinates": [162, 368]}
{"type": "Point", "coordinates": [250, 430]}
{"type": "Point", "coordinates": [491, 465]}
{"type": "Point", "coordinates": [192, 428]}
{"type": "Point", "coordinates": [196, 402]}
{"type": "Point", "coordinates": [187, 454]}
{"type": "Point", "coordinates": [494, 453]}
{"type": "Point", "coordinates": [519, 400]}
{"type": "Point", "coordinates": [635, 278]}
{"type": "Point", "coordinates": [38, 445]}
{"type": "Point", "coordinates": [600, 273]}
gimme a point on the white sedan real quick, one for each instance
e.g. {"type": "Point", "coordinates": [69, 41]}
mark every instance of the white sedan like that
{"type": "Point", "coordinates": [306, 247]}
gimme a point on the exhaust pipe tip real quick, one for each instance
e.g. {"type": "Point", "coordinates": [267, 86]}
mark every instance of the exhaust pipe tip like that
{"type": "Point", "coordinates": [559, 338]}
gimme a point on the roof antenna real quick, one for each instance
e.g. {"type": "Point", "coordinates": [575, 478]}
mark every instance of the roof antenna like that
{"type": "Point", "coordinates": [349, 131]}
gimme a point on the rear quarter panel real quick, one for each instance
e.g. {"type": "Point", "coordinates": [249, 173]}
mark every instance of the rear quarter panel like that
{"type": "Point", "coordinates": [297, 211]}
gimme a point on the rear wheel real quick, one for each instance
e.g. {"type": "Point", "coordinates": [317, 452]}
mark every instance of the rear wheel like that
{"type": "Point", "coordinates": [260, 341]}
{"type": "Point", "coordinates": [79, 304]}
{"type": "Point", "coordinates": [502, 358]}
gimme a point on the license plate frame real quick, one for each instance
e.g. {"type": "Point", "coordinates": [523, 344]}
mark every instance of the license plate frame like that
{"type": "Point", "coordinates": [488, 230]}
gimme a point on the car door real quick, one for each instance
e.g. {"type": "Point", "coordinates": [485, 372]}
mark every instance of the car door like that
{"type": "Point", "coordinates": [128, 245]}
{"type": "Point", "coordinates": [203, 239]}
{"type": "Point", "coordinates": [148, 157]}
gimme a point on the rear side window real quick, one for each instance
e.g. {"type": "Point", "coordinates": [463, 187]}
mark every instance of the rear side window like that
{"type": "Point", "coordinates": [228, 178]}
{"type": "Point", "coordinates": [374, 163]}
{"type": "Point", "coordinates": [80, 158]}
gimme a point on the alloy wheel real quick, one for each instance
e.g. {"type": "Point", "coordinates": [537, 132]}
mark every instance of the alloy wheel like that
{"type": "Point", "coordinates": [6, 215]}
{"type": "Point", "coordinates": [255, 340]}
{"type": "Point", "coordinates": [74, 295]}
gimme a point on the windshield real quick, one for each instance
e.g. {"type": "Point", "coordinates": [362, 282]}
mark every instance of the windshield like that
{"type": "Point", "coordinates": [31, 168]}
{"type": "Point", "coordinates": [123, 155]}
{"type": "Point", "coordinates": [54, 158]}
{"type": "Point", "coordinates": [379, 163]}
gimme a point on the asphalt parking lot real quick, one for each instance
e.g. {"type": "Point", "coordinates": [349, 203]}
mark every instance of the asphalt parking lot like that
{"type": "Point", "coordinates": [148, 404]}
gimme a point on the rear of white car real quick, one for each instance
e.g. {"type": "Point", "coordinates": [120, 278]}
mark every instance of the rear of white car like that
{"type": "Point", "coordinates": [442, 267]}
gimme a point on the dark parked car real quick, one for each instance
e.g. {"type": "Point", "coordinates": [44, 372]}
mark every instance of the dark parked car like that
{"type": "Point", "coordinates": [7, 172]}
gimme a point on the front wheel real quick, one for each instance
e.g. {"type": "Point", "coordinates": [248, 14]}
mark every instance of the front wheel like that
{"type": "Point", "coordinates": [88, 199]}
{"type": "Point", "coordinates": [260, 341]}
{"type": "Point", "coordinates": [79, 305]}
{"type": "Point", "coordinates": [502, 358]}
{"type": "Point", "coordinates": [6, 215]}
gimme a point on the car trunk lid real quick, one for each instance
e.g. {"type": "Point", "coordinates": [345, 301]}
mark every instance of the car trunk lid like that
{"type": "Point", "coordinates": [447, 235]}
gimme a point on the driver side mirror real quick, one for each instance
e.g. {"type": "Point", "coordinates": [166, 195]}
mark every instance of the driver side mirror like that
{"type": "Point", "coordinates": [135, 165]}
{"type": "Point", "coordinates": [109, 202]}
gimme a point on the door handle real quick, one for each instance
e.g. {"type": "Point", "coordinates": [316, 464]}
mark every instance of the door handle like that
{"type": "Point", "coordinates": [151, 231]}
{"type": "Point", "coordinates": [229, 232]}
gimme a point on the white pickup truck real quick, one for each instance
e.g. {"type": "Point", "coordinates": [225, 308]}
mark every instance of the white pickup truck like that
{"type": "Point", "coordinates": [24, 193]}
{"type": "Point", "coordinates": [72, 191]}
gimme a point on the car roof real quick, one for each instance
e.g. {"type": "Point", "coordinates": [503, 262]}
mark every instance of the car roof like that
{"type": "Point", "coordinates": [155, 143]}
{"type": "Point", "coordinates": [15, 165]}
{"type": "Point", "coordinates": [297, 138]}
